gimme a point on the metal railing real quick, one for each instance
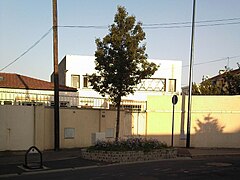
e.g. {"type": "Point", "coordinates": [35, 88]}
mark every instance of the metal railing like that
{"type": "Point", "coordinates": [37, 99]}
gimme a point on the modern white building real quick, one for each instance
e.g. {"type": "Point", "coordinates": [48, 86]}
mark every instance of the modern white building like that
{"type": "Point", "coordinates": [75, 69]}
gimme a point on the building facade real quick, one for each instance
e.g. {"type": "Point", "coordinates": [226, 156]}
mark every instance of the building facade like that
{"type": "Point", "coordinates": [74, 71]}
{"type": "Point", "coordinates": [219, 79]}
{"type": "Point", "coordinates": [17, 89]}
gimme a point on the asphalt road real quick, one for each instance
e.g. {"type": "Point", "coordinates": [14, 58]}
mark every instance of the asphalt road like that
{"type": "Point", "coordinates": [218, 167]}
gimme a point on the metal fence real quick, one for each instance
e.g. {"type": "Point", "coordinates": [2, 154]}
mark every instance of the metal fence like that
{"type": "Point", "coordinates": [37, 99]}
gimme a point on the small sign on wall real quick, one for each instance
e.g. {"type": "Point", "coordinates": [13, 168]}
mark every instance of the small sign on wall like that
{"type": "Point", "coordinates": [69, 133]}
{"type": "Point", "coordinates": [109, 133]}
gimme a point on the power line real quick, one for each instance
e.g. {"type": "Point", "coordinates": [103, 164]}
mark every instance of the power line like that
{"type": "Point", "coordinates": [212, 61]}
{"type": "Point", "coordinates": [145, 26]}
{"type": "Point", "coordinates": [84, 27]}
{"type": "Point", "coordinates": [151, 26]}
{"type": "Point", "coordinates": [25, 52]}
{"type": "Point", "coordinates": [181, 23]}
{"type": "Point", "coordinates": [204, 23]}
{"type": "Point", "coordinates": [187, 26]}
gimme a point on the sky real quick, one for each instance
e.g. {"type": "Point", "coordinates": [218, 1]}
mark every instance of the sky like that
{"type": "Point", "coordinates": [26, 34]}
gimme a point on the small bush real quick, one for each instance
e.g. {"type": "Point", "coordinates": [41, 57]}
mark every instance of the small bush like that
{"type": "Point", "coordinates": [130, 144]}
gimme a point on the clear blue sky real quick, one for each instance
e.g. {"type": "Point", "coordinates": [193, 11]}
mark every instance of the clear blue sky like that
{"type": "Point", "coordinates": [23, 22]}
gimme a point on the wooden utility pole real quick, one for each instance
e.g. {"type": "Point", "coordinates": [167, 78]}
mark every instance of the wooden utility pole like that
{"type": "Point", "coordinates": [56, 80]}
{"type": "Point", "coordinates": [190, 79]}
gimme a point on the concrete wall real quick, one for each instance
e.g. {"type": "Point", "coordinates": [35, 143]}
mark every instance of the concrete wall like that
{"type": "Point", "coordinates": [16, 127]}
{"type": "Point", "coordinates": [24, 126]}
{"type": "Point", "coordinates": [159, 118]}
{"type": "Point", "coordinates": [83, 123]}
{"type": "Point", "coordinates": [215, 121]}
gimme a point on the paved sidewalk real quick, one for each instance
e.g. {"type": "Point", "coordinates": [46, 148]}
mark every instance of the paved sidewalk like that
{"type": "Point", "coordinates": [197, 152]}
{"type": "Point", "coordinates": [12, 162]}
{"type": "Point", "coordinates": [200, 152]}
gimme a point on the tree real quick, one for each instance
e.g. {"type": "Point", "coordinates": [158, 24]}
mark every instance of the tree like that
{"type": "Point", "coordinates": [121, 61]}
{"type": "Point", "coordinates": [230, 85]}
{"type": "Point", "coordinates": [206, 88]}
{"type": "Point", "coordinates": [195, 89]}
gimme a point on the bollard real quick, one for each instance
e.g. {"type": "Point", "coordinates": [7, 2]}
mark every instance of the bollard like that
{"type": "Point", "coordinates": [33, 158]}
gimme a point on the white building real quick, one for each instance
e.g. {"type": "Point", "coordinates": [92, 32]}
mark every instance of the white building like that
{"type": "Point", "coordinates": [75, 69]}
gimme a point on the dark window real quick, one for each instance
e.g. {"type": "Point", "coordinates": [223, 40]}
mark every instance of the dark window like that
{"type": "Point", "coordinates": [85, 81]}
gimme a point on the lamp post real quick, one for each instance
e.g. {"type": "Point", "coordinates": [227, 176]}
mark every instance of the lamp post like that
{"type": "Point", "coordinates": [190, 79]}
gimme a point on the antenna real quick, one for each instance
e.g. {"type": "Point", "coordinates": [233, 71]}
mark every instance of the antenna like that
{"type": "Point", "coordinates": [227, 62]}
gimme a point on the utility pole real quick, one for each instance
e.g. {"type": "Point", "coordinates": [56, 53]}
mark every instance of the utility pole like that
{"type": "Point", "coordinates": [190, 79]}
{"type": "Point", "coordinates": [56, 80]}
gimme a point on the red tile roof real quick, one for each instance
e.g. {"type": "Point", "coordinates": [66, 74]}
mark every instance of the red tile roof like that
{"type": "Point", "coordinates": [233, 72]}
{"type": "Point", "coordinates": [16, 81]}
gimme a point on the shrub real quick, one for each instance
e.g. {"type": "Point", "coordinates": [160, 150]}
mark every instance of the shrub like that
{"type": "Point", "coordinates": [130, 144]}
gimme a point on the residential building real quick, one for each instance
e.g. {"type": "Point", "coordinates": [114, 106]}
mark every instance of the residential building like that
{"type": "Point", "coordinates": [219, 79]}
{"type": "Point", "coordinates": [74, 71]}
{"type": "Point", "coordinates": [16, 89]}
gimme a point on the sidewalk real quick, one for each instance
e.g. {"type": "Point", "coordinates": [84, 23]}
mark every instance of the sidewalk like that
{"type": "Point", "coordinates": [12, 162]}
{"type": "Point", "coordinates": [201, 152]}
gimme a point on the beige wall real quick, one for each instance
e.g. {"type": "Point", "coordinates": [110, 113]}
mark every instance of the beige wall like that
{"type": "Point", "coordinates": [215, 121]}
{"type": "Point", "coordinates": [85, 122]}
{"type": "Point", "coordinates": [16, 127]}
{"type": "Point", "coordinates": [24, 126]}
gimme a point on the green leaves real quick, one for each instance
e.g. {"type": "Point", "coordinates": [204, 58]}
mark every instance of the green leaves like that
{"type": "Point", "coordinates": [232, 85]}
{"type": "Point", "coordinates": [228, 84]}
{"type": "Point", "coordinates": [121, 61]}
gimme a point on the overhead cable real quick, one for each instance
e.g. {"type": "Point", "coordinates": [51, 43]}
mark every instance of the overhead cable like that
{"type": "Point", "coordinates": [25, 52]}
{"type": "Point", "coordinates": [204, 23]}
{"type": "Point", "coordinates": [212, 61]}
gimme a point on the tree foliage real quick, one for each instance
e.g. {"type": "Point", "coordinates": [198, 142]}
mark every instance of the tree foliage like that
{"type": "Point", "coordinates": [121, 61]}
{"type": "Point", "coordinates": [230, 85]}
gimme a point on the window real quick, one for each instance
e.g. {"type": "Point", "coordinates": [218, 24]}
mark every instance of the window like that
{"type": "Point", "coordinates": [85, 81]}
{"type": "Point", "coordinates": [172, 85]}
{"type": "Point", "coordinates": [75, 81]}
{"type": "Point", "coordinates": [7, 102]}
{"type": "Point", "coordinates": [64, 104]}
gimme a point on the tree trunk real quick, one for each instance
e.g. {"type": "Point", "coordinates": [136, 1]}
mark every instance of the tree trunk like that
{"type": "Point", "coordinates": [118, 119]}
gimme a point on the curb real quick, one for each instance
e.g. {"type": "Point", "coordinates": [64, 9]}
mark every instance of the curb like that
{"type": "Point", "coordinates": [214, 155]}
{"type": "Point", "coordinates": [46, 170]}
